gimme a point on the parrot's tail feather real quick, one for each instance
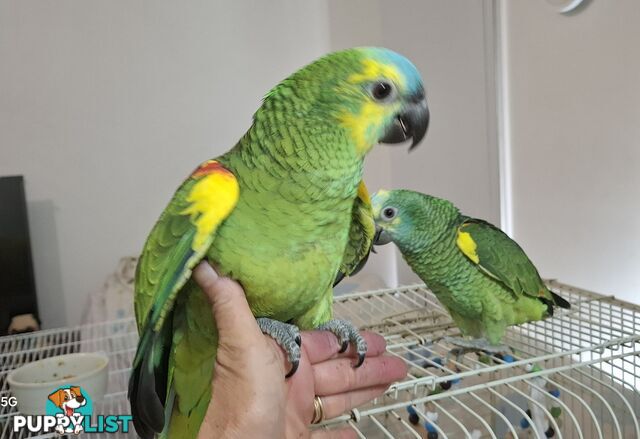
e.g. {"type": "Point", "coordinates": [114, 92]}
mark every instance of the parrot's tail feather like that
{"type": "Point", "coordinates": [560, 301]}
{"type": "Point", "coordinates": [149, 403]}
{"type": "Point", "coordinates": [148, 382]}
{"type": "Point", "coordinates": [145, 427]}
{"type": "Point", "coordinates": [143, 431]}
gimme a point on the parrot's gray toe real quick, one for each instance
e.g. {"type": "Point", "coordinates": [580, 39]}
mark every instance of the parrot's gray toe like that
{"type": "Point", "coordinates": [347, 333]}
{"type": "Point", "coordinates": [288, 338]}
{"type": "Point", "coordinates": [496, 349]}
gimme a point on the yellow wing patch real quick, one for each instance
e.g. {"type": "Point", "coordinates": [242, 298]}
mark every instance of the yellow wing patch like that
{"type": "Point", "coordinates": [363, 193]}
{"type": "Point", "coordinates": [211, 200]}
{"type": "Point", "coordinates": [468, 246]}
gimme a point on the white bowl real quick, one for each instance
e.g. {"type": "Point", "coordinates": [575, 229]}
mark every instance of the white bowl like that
{"type": "Point", "coordinates": [32, 383]}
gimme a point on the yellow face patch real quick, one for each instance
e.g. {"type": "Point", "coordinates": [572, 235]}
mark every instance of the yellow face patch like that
{"type": "Point", "coordinates": [468, 246]}
{"type": "Point", "coordinates": [211, 199]}
{"type": "Point", "coordinates": [362, 125]}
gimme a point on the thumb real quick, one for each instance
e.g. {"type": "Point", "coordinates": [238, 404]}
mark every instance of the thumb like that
{"type": "Point", "coordinates": [231, 312]}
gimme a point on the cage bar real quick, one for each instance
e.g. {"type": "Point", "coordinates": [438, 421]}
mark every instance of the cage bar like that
{"type": "Point", "coordinates": [576, 374]}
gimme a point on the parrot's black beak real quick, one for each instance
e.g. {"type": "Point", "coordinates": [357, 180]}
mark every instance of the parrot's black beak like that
{"type": "Point", "coordinates": [412, 122]}
{"type": "Point", "coordinates": [381, 237]}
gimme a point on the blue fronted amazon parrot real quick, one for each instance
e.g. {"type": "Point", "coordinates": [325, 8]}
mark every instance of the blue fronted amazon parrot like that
{"type": "Point", "coordinates": [479, 274]}
{"type": "Point", "coordinates": [284, 212]}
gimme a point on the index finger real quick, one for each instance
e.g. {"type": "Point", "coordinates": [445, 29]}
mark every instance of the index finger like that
{"type": "Point", "coordinates": [323, 345]}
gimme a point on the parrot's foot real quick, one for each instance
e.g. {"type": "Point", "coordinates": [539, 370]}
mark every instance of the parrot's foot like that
{"type": "Point", "coordinates": [475, 345]}
{"type": "Point", "coordinates": [287, 336]}
{"type": "Point", "coordinates": [347, 333]}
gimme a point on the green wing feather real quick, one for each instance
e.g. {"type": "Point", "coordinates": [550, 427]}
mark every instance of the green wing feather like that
{"type": "Point", "coordinates": [177, 242]}
{"type": "Point", "coordinates": [166, 261]}
{"type": "Point", "coordinates": [361, 233]}
{"type": "Point", "coordinates": [500, 257]}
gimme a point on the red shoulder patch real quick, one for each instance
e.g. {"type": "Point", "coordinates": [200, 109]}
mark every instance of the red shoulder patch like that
{"type": "Point", "coordinates": [209, 167]}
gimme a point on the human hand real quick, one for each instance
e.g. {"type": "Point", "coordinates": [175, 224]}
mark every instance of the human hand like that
{"type": "Point", "coordinates": [251, 397]}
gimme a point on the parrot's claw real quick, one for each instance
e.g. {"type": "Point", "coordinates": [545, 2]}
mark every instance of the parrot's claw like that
{"type": "Point", "coordinates": [347, 333]}
{"type": "Point", "coordinates": [475, 345]}
{"type": "Point", "coordinates": [288, 338]}
{"type": "Point", "coordinates": [294, 368]}
{"type": "Point", "coordinates": [360, 360]}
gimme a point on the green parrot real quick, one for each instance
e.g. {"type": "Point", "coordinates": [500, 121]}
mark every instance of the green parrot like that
{"type": "Point", "coordinates": [481, 276]}
{"type": "Point", "coordinates": [284, 212]}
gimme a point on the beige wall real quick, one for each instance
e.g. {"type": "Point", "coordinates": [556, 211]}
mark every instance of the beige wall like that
{"type": "Point", "coordinates": [106, 106]}
{"type": "Point", "coordinates": [459, 158]}
{"type": "Point", "coordinates": [574, 117]}
{"type": "Point", "coordinates": [359, 23]}
{"type": "Point", "coordinates": [450, 43]}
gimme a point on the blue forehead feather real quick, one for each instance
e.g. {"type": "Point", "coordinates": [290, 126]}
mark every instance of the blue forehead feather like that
{"type": "Point", "coordinates": [406, 67]}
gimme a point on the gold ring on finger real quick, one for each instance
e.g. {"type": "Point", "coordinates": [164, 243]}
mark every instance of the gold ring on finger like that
{"type": "Point", "coordinates": [318, 410]}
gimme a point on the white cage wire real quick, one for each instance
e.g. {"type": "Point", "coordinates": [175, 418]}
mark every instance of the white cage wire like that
{"type": "Point", "coordinates": [574, 375]}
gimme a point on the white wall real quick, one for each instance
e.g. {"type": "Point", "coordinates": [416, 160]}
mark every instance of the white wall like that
{"type": "Point", "coordinates": [574, 111]}
{"type": "Point", "coordinates": [106, 106]}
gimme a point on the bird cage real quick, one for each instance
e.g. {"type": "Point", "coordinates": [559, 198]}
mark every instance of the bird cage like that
{"type": "Point", "coordinates": [573, 375]}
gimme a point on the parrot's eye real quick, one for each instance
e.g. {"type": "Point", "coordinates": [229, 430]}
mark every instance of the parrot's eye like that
{"type": "Point", "coordinates": [381, 90]}
{"type": "Point", "coordinates": [389, 213]}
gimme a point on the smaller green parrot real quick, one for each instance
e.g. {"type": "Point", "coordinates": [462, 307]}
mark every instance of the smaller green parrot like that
{"type": "Point", "coordinates": [481, 276]}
